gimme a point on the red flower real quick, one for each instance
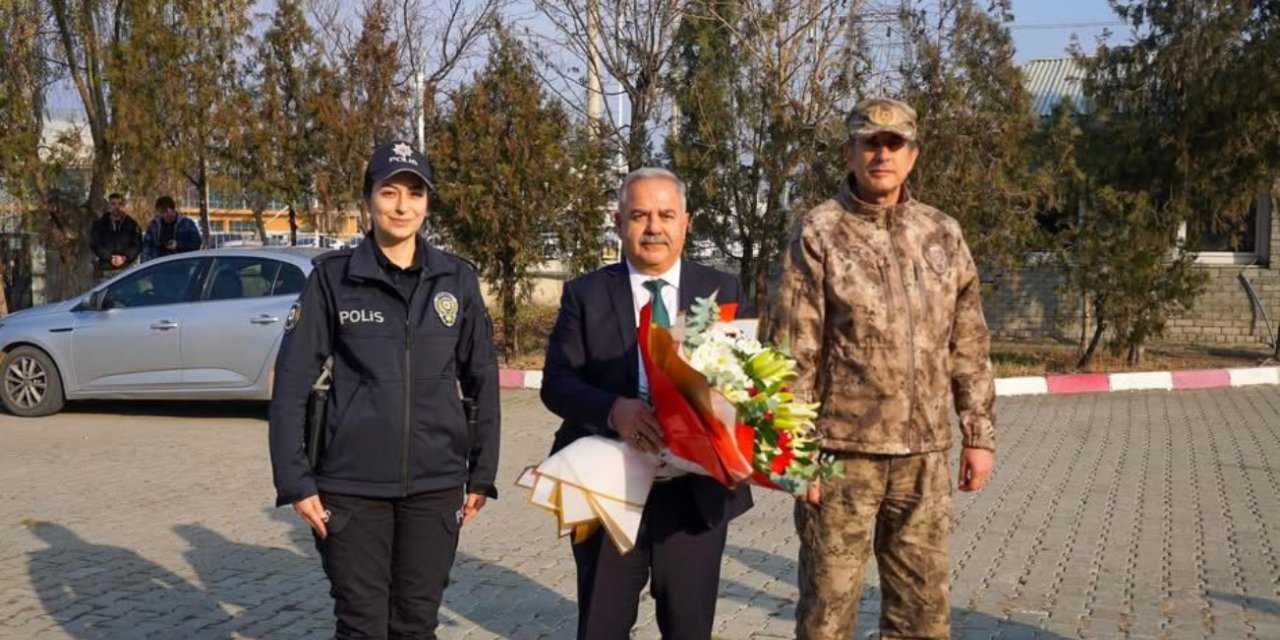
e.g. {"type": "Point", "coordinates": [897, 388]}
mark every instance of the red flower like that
{"type": "Point", "coordinates": [753, 392]}
{"type": "Point", "coordinates": [783, 460]}
{"type": "Point", "coordinates": [768, 416]}
{"type": "Point", "coordinates": [780, 463]}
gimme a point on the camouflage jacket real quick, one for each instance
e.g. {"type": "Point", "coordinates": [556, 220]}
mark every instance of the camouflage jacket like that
{"type": "Point", "coordinates": [880, 306]}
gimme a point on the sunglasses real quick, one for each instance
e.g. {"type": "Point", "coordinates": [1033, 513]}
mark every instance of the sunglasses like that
{"type": "Point", "coordinates": [892, 143]}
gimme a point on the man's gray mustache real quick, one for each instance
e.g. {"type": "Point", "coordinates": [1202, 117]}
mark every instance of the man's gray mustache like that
{"type": "Point", "coordinates": [654, 240]}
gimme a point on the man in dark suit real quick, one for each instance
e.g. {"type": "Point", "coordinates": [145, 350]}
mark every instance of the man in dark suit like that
{"type": "Point", "coordinates": [594, 380]}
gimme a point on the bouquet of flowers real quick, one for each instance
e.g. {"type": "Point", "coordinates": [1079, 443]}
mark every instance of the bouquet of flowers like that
{"type": "Point", "coordinates": [723, 401]}
{"type": "Point", "coordinates": [725, 409]}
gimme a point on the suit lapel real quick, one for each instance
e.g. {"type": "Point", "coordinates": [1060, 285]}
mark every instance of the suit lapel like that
{"type": "Point", "coordinates": [691, 284]}
{"type": "Point", "coordinates": [624, 315]}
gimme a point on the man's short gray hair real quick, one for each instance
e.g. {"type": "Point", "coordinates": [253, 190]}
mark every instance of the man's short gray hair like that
{"type": "Point", "coordinates": [648, 173]}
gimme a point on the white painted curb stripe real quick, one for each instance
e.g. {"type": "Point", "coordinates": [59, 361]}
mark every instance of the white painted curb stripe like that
{"type": "Point", "coordinates": [1039, 385]}
{"type": "Point", "coordinates": [1142, 381]}
{"type": "Point", "coordinates": [1029, 386]}
{"type": "Point", "coordinates": [1256, 375]}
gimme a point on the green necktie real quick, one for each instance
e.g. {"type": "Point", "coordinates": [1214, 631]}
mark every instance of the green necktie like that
{"type": "Point", "coordinates": [660, 316]}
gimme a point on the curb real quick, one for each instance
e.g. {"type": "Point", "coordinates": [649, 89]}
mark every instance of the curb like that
{"type": "Point", "coordinates": [1073, 384]}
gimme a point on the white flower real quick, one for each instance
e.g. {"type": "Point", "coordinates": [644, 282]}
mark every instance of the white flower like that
{"type": "Point", "coordinates": [717, 360]}
{"type": "Point", "coordinates": [720, 354]}
{"type": "Point", "coordinates": [748, 346]}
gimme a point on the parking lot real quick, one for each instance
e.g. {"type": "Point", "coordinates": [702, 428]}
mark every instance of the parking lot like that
{"type": "Point", "coordinates": [1142, 515]}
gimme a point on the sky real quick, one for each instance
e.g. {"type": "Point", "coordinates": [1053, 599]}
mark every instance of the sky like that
{"type": "Point", "coordinates": [1043, 28]}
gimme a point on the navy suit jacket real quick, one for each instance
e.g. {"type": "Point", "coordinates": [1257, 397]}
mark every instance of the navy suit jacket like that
{"type": "Point", "coordinates": [592, 360]}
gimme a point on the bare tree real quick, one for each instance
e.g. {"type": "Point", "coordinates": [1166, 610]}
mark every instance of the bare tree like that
{"type": "Point", "coordinates": [87, 45]}
{"type": "Point", "coordinates": [44, 42]}
{"type": "Point", "coordinates": [369, 91]}
{"type": "Point", "coordinates": [762, 85]}
{"type": "Point", "coordinates": [440, 38]}
{"type": "Point", "coordinates": [630, 41]}
{"type": "Point", "coordinates": [361, 101]}
{"type": "Point", "coordinates": [334, 32]}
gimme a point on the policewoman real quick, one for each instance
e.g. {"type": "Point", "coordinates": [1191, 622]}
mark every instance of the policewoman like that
{"type": "Point", "coordinates": [400, 472]}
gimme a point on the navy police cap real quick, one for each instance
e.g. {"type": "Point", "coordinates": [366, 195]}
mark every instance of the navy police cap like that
{"type": "Point", "coordinates": [394, 158]}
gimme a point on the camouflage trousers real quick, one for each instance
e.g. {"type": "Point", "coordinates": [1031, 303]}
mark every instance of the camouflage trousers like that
{"type": "Point", "coordinates": [901, 505]}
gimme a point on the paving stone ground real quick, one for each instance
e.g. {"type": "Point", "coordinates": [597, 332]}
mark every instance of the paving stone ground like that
{"type": "Point", "coordinates": [1143, 515]}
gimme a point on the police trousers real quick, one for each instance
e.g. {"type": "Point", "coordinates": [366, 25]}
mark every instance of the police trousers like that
{"type": "Point", "coordinates": [901, 506]}
{"type": "Point", "coordinates": [388, 561]}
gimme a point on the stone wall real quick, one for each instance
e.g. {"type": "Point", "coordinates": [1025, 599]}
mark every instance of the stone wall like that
{"type": "Point", "coordinates": [1223, 315]}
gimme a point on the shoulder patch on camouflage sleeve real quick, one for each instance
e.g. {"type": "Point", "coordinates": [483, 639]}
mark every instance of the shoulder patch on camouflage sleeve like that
{"type": "Point", "coordinates": [938, 259]}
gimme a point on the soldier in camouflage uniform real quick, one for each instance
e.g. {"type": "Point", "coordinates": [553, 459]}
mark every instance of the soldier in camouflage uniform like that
{"type": "Point", "coordinates": [880, 305]}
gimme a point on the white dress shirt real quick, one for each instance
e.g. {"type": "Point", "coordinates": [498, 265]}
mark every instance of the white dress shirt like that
{"type": "Point", "coordinates": [640, 297]}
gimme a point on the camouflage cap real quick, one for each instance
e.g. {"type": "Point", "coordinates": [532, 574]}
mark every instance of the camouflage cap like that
{"type": "Point", "coordinates": [877, 115]}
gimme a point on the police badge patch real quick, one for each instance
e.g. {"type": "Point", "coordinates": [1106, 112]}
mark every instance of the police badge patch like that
{"type": "Point", "coordinates": [938, 259]}
{"type": "Point", "coordinates": [446, 306]}
{"type": "Point", "coordinates": [291, 320]}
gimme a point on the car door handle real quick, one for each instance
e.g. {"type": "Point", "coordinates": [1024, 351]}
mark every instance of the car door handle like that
{"type": "Point", "coordinates": [264, 319]}
{"type": "Point", "coordinates": [165, 325]}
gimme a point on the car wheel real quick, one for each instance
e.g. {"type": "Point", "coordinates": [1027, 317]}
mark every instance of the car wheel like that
{"type": "Point", "coordinates": [30, 385]}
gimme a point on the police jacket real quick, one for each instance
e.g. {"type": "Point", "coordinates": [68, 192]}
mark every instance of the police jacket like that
{"type": "Point", "coordinates": [396, 423]}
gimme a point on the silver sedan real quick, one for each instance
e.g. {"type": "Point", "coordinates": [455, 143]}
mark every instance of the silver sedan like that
{"type": "Point", "coordinates": [204, 325]}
